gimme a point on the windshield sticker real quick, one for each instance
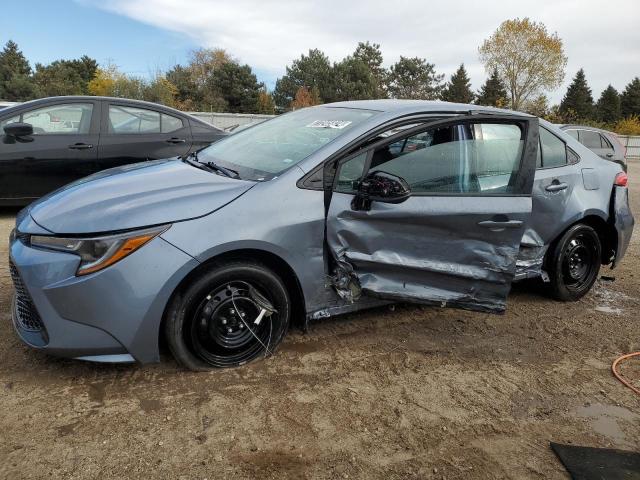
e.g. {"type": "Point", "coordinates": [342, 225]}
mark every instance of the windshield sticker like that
{"type": "Point", "coordinates": [329, 124]}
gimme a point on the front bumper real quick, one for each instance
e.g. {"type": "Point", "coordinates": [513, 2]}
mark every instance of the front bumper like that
{"type": "Point", "coordinates": [112, 313]}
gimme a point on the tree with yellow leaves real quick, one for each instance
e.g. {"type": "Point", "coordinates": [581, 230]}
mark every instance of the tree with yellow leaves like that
{"type": "Point", "coordinates": [529, 59]}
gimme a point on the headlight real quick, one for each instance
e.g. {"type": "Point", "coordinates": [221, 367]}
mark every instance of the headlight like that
{"type": "Point", "coordinates": [98, 252]}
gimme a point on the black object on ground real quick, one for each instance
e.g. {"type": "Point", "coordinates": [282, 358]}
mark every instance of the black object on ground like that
{"type": "Point", "coordinates": [588, 463]}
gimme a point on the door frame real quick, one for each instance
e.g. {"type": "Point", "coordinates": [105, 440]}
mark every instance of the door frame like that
{"type": "Point", "coordinates": [342, 272]}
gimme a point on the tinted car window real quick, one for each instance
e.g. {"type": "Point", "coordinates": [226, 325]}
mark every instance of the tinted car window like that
{"type": "Point", "coordinates": [170, 124]}
{"type": "Point", "coordinates": [133, 120]}
{"type": "Point", "coordinates": [554, 151]}
{"type": "Point", "coordinates": [72, 118]}
{"type": "Point", "coordinates": [478, 158]}
{"type": "Point", "coordinates": [590, 139]}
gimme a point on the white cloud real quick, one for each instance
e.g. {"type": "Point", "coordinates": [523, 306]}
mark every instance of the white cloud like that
{"type": "Point", "coordinates": [601, 38]}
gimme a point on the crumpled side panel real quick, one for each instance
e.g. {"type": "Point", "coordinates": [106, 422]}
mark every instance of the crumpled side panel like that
{"type": "Point", "coordinates": [421, 253]}
{"type": "Point", "coordinates": [624, 221]}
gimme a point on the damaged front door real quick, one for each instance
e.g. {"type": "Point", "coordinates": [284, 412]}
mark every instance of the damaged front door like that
{"type": "Point", "coordinates": [434, 213]}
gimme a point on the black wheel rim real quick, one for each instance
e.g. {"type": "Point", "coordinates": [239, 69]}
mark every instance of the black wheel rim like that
{"type": "Point", "coordinates": [222, 329]}
{"type": "Point", "coordinates": [579, 262]}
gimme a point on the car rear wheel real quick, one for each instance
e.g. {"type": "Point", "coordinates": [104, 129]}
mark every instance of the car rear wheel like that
{"type": "Point", "coordinates": [228, 316]}
{"type": "Point", "coordinates": [574, 263]}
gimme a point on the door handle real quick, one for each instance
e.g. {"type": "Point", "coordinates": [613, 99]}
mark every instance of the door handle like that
{"type": "Point", "coordinates": [609, 155]}
{"type": "Point", "coordinates": [492, 224]}
{"type": "Point", "coordinates": [80, 146]}
{"type": "Point", "coordinates": [556, 187]}
{"type": "Point", "coordinates": [175, 140]}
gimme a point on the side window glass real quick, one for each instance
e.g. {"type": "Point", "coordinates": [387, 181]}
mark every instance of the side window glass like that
{"type": "Point", "coordinates": [605, 142]}
{"type": "Point", "coordinates": [572, 157]}
{"type": "Point", "coordinates": [7, 121]}
{"type": "Point", "coordinates": [554, 151]}
{"type": "Point", "coordinates": [170, 124]}
{"type": "Point", "coordinates": [72, 118]}
{"type": "Point", "coordinates": [133, 120]}
{"type": "Point", "coordinates": [465, 158]}
{"type": "Point", "coordinates": [350, 172]}
{"type": "Point", "coordinates": [590, 139]}
{"type": "Point", "coordinates": [573, 133]}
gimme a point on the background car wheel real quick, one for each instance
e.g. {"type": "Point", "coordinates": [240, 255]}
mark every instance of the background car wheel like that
{"type": "Point", "coordinates": [217, 322]}
{"type": "Point", "coordinates": [574, 263]}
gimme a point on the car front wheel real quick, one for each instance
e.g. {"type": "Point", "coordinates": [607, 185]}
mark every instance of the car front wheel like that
{"type": "Point", "coordinates": [574, 263]}
{"type": "Point", "coordinates": [227, 316]}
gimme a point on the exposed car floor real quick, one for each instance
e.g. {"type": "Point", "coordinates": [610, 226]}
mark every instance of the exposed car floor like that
{"type": "Point", "coordinates": [417, 392]}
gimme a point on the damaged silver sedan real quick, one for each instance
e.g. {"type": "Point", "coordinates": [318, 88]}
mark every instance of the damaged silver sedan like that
{"type": "Point", "coordinates": [318, 212]}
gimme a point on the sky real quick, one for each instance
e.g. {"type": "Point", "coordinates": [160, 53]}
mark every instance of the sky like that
{"type": "Point", "coordinates": [143, 36]}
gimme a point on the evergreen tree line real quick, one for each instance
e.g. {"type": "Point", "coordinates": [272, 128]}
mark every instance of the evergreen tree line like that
{"type": "Point", "coordinates": [212, 80]}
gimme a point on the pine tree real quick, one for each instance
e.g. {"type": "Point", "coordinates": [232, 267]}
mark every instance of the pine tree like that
{"type": "Point", "coordinates": [414, 78]}
{"type": "Point", "coordinates": [630, 99]}
{"type": "Point", "coordinates": [313, 71]}
{"type": "Point", "coordinates": [371, 54]}
{"type": "Point", "coordinates": [15, 74]}
{"type": "Point", "coordinates": [458, 89]}
{"type": "Point", "coordinates": [578, 102]}
{"type": "Point", "coordinates": [608, 106]}
{"type": "Point", "coordinates": [493, 93]}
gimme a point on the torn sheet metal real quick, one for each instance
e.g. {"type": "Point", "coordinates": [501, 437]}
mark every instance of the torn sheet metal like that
{"type": "Point", "coordinates": [426, 251]}
{"type": "Point", "coordinates": [531, 256]}
{"type": "Point", "coordinates": [530, 262]}
{"type": "Point", "coordinates": [344, 280]}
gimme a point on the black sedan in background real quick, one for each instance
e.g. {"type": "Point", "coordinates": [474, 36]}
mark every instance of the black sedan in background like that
{"type": "Point", "coordinates": [50, 142]}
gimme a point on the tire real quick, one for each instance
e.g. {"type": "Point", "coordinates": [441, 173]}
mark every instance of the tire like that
{"type": "Point", "coordinates": [204, 328]}
{"type": "Point", "coordinates": [574, 263]}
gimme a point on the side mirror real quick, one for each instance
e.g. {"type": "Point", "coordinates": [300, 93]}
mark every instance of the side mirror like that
{"type": "Point", "coordinates": [382, 187]}
{"type": "Point", "coordinates": [18, 130]}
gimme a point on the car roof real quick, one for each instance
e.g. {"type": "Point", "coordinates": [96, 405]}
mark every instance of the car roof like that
{"type": "Point", "coordinates": [571, 126]}
{"type": "Point", "coordinates": [90, 98]}
{"type": "Point", "coordinates": [417, 106]}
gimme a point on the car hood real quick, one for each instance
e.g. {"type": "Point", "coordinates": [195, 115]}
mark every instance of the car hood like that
{"type": "Point", "coordinates": [135, 196]}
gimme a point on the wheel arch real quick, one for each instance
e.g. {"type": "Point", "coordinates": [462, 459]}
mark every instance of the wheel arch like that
{"type": "Point", "coordinates": [597, 220]}
{"type": "Point", "coordinates": [269, 259]}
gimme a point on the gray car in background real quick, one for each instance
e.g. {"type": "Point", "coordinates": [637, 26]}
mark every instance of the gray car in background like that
{"type": "Point", "coordinates": [315, 213]}
{"type": "Point", "coordinates": [603, 143]}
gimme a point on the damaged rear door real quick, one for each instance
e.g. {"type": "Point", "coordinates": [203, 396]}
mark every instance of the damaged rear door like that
{"type": "Point", "coordinates": [433, 213]}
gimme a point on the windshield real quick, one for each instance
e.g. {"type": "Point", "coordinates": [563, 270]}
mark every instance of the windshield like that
{"type": "Point", "coordinates": [268, 149]}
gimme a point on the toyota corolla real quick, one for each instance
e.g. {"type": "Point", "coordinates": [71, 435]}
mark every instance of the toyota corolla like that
{"type": "Point", "coordinates": [315, 213]}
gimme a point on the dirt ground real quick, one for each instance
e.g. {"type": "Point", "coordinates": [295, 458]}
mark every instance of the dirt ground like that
{"type": "Point", "coordinates": [414, 392]}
